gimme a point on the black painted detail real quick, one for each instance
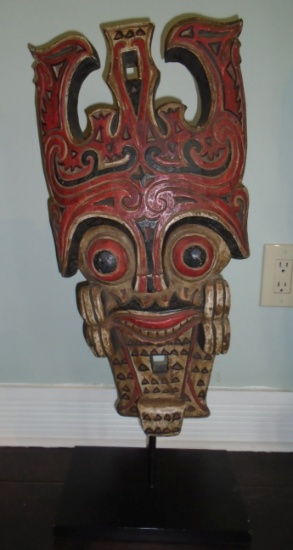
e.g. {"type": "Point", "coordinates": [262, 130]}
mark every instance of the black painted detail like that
{"type": "Point", "coordinates": [175, 304]}
{"type": "Point", "coordinates": [191, 167]}
{"type": "Point", "coordinates": [105, 262]}
{"type": "Point", "coordinates": [142, 177]}
{"type": "Point", "coordinates": [91, 156]}
{"type": "Point", "coordinates": [200, 335]}
{"type": "Point", "coordinates": [82, 71]}
{"type": "Point", "coordinates": [215, 47]}
{"type": "Point", "coordinates": [143, 367]}
{"type": "Point", "coordinates": [212, 34]}
{"type": "Point", "coordinates": [140, 32]}
{"type": "Point", "coordinates": [194, 257]}
{"type": "Point", "coordinates": [118, 35]}
{"type": "Point", "coordinates": [129, 34]}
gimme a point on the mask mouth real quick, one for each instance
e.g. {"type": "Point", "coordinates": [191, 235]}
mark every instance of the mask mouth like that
{"type": "Point", "coordinates": [157, 355]}
{"type": "Point", "coordinates": [154, 327]}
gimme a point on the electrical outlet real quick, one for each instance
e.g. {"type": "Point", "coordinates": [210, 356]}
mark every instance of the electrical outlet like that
{"type": "Point", "coordinates": [277, 287]}
{"type": "Point", "coordinates": [282, 276]}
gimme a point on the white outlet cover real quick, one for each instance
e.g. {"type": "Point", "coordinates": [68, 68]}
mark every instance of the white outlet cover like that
{"type": "Point", "coordinates": [269, 297]}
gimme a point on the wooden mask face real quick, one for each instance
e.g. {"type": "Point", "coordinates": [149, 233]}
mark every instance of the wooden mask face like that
{"type": "Point", "coordinates": [149, 208]}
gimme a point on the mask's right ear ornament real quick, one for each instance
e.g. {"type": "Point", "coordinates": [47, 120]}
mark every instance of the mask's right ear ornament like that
{"type": "Point", "coordinates": [150, 208]}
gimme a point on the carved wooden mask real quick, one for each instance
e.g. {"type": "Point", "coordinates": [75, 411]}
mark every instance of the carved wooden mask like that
{"type": "Point", "coordinates": [150, 208]}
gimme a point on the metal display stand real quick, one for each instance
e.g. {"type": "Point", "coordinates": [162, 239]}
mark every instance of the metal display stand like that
{"type": "Point", "coordinates": [152, 495]}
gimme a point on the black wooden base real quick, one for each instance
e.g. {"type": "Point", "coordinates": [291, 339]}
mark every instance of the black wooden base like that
{"type": "Point", "coordinates": [108, 496]}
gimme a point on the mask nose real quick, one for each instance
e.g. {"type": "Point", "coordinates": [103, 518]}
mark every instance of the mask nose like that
{"type": "Point", "coordinates": [150, 282]}
{"type": "Point", "coordinates": [150, 277]}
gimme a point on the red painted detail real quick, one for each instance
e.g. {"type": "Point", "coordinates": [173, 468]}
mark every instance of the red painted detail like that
{"type": "Point", "coordinates": [142, 283]}
{"type": "Point", "coordinates": [200, 405]}
{"type": "Point", "coordinates": [159, 321]}
{"type": "Point", "coordinates": [158, 282]}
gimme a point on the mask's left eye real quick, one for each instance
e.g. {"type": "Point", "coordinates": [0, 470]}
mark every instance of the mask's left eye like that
{"type": "Point", "coordinates": [193, 253]}
{"type": "Point", "coordinates": [106, 253]}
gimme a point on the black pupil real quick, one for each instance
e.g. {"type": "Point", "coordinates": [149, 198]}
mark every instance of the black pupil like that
{"type": "Point", "coordinates": [194, 256]}
{"type": "Point", "coordinates": [105, 261]}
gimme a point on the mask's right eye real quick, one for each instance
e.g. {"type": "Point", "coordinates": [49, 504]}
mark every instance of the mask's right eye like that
{"type": "Point", "coordinates": [106, 254]}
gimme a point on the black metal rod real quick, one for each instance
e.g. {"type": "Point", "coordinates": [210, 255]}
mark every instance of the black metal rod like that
{"type": "Point", "coordinates": [152, 461]}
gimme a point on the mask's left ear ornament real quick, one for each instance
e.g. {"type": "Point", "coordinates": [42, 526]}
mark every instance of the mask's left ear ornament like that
{"type": "Point", "coordinates": [149, 208]}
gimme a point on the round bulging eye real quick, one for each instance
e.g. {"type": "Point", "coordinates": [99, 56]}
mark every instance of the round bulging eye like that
{"type": "Point", "coordinates": [107, 259]}
{"type": "Point", "coordinates": [105, 262]}
{"type": "Point", "coordinates": [194, 256]}
{"type": "Point", "coordinates": [107, 256]}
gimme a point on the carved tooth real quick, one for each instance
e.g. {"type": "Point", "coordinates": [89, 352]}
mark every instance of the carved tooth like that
{"type": "Point", "coordinates": [184, 293]}
{"type": "Point", "coordinates": [124, 295]}
{"type": "Point", "coordinates": [163, 299]}
{"type": "Point", "coordinates": [146, 300]}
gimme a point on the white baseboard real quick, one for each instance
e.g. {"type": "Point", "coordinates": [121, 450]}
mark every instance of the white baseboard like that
{"type": "Point", "coordinates": [66, 416]}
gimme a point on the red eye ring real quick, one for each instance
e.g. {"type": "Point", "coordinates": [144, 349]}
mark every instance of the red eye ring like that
{"type": "Point", "coordinates": [186, 243]}
{"type": "Point", "coordinates": [119, 267]}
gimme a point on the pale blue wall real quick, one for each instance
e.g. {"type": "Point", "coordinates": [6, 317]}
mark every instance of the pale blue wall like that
{"type": "Point", "coordinates": [40, 329]}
